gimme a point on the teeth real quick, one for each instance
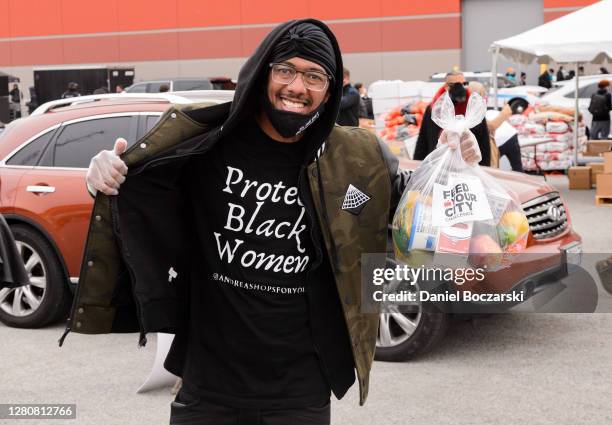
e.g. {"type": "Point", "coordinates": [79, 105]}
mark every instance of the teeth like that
{"type": "Point", "coordinates": [292, 104]}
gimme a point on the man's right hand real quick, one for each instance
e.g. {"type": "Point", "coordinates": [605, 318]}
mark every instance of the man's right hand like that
{"type": "Point", "coordinates": [107, 171]}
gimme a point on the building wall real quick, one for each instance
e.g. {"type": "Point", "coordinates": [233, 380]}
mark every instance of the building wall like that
{"type": "Point", "coordinates": [380, 39]}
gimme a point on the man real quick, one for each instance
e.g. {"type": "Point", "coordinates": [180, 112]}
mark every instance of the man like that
{"type": "Point", "coordinates": [73, 91]}
{"type": "Point", "coordinates": [511, 74]}
{"type": "Point", "coordinates": [560, 74]}
{"type": "Point", "coordinates": [365, 104]}
{"type": "Point", "coordinates": [15, 105]}
{"type": "Point", "coordinates": [505, 136]}
{"type": "Point", "coordinates": [429, 132]}
{"type": "Point", "coordinates": [600, 106]}
{"type": "Point", "coordinates": [544, 80]}
{"type": "Point", "coordinates": [523, 79]}
{"type": "Point", "coordinates": [119, 88]}
{"type": "Point", "coordinates": [232, 231]}
{"type": "Point", "coordinates": [349, 106]}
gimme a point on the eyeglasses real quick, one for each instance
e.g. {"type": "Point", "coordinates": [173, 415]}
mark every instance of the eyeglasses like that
{"type": "Point", "coordinates": [286, 74]}
{"type": "Point", "coordinates": [464, 84]}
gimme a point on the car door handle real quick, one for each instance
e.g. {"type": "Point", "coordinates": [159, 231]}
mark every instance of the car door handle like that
{"type": "Point", "coordinates": [40, 189]}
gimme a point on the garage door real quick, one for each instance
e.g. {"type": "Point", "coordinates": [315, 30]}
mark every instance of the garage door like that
{"type": "Point", "coordinates": [484, 21]}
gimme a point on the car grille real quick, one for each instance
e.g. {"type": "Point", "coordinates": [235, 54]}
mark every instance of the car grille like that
{"type": "Point", "coordinates": [546, 215]}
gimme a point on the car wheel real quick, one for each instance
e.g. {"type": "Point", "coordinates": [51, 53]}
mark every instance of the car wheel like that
{"type": "Point", "coordinates": [406, 331]}
{"type": "Point", "coordinates": [47, 298]}
{"type": "Point", "coordinates": [518, 106]}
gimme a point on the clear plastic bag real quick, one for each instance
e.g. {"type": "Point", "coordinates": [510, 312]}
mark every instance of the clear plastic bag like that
{"type": "Point", "coordinates": [452, 207]}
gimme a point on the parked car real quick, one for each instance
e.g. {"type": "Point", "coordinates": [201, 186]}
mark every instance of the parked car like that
{"type": "Point", "coordinates": [563, 94]}
{"type": "Point", "coordinates": [183, 84]}
{"type": "Point", "coordinates": [43, 161]}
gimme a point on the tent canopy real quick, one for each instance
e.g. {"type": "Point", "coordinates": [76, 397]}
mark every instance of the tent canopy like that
{"type": "Point", "coordinates": [582, 36]}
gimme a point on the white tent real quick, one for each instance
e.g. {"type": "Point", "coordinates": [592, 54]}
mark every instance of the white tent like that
{"type": "Point", "coordinates": [584, 36]}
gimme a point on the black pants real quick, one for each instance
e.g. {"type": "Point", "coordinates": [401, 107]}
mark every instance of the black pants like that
{"type": "Point", "coordinates": [512, 150]}
{"type": "Point", "coordinates": [188, 409]}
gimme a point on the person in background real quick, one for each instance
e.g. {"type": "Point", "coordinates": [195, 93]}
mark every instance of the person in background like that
{"type": "Point", "coordinates": [511, 74]}
{"type": "Point", "coordinates": [15, 105]}
{"type": "Point", "coordinates": [119, 89]}
{"type": "Point", "coordinates": [560, 74]}
{"type": "Point", "coordinates": [523, 79]}
{"type": "Point", "coordinates": [73, 91]}
{"type": "Point", "coordinates": [429, 132]}
{"type": "Point", "coordinates": [571, 74]}
{"type": "Point", "coordinates": [505, 137]}
{"type": "Point", "coordinates": [33, 103]}
{"type": "Point", "coordinates": [600, 106]}
{"type": "Point", "coordinates": [365, 105]}
{"type": "Point", "coordinates": [544, 80]}
{"type": "Point", "coordinates": [349, 105]}
{"type": "Point", "coordinates": [581, 71]}
{"type": "Point", "coordinates": [551, 76]}
{"type": "Point", "coordinates": [101, 90]}
{"type": "Point", "coordinates": [603, 70]}
{"type": "Point", "coordinates": [164, 88]}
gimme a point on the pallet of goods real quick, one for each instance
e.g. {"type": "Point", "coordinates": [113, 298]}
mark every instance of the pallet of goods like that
{"type": "Point", "coordinates": [546, 135]}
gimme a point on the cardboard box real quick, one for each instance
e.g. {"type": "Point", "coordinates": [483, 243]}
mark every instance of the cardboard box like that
{"type": "Point", "coordinates": [596, 168]}
{"type": "Point", "coordinates": [597, 147]}
{"type": "Point", "coordinates": [604, 185]}
{"type": "Point", "coordinates": [607, 165]}
{"type": "Point", "coordinates": [579, 177]}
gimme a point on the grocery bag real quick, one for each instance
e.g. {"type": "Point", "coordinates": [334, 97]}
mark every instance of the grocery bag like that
{"type": "Point", "coordinates": [452, 207]}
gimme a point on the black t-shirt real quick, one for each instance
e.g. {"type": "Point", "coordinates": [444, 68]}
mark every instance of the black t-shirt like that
{"type": "Point", "coordinates": [250, 342]}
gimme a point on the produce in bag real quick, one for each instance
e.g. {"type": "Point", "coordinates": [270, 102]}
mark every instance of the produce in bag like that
{"type": "Point", "coordinates": [453, 207]}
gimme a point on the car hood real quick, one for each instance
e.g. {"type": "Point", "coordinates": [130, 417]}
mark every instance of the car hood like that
{"type": "Point", "coordinates": [525, 186]}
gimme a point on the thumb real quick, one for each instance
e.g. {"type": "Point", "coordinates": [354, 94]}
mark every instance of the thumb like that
{"type": "Point", "coordinates": [120, 146]}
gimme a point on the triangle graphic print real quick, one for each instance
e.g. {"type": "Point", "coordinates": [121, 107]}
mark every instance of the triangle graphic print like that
{"type": "Point", "coordinates": [354, 200]}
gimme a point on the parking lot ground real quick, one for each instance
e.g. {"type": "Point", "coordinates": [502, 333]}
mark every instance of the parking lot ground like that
{"type": "Point", "coordinates": [535, 369]}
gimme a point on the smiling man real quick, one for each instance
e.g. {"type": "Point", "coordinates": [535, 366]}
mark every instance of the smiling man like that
{"type": "Point", "coordinates": [240, 228]}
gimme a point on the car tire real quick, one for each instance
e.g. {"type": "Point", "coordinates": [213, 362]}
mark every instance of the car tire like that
{"type": "Point", "coordinates": [45, 301]}
{"type": "Point", "coordinates": [409, 333]}
{"type": "Point", "coordinates": [429, 331]}
{"type": "Point", "coordinates": [518, 106]}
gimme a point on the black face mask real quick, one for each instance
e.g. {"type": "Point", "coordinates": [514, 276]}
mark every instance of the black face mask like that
{"type": "Point", "coordinates": [290, 124]}
{"type": "Point", "coordinates": [457, 93]}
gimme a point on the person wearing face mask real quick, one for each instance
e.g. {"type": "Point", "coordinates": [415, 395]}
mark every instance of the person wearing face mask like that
{"type": "Point", "coordinates": [456, 86]}
{"type": "Point", "coordinates": [239, 228]}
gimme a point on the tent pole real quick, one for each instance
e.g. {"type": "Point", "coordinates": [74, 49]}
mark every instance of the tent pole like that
{"type": "Point", "coordinates": [494, 76]}
{"type": "Point", "coordinates": [576, 117]}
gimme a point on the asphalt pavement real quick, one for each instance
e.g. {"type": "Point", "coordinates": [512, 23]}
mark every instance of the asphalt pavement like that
{"type": "Point", "coordinates": [504, 369]}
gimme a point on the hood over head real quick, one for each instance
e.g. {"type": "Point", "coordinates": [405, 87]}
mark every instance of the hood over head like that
{"type": "Point", "coordinates": [308, 39]}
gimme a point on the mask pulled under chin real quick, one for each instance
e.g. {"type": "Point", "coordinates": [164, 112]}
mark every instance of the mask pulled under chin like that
{"type": "Point", "coordinates": [290, 124]}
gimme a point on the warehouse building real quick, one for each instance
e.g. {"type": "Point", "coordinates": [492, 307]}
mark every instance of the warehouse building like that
{"type": "Point", "coordinates": [381, 39]}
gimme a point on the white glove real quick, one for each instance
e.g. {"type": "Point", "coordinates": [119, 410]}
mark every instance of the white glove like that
{"type": "Point", "coordinates": [470, 151]}
{"type": "Point", "coordinates": [107, 171]}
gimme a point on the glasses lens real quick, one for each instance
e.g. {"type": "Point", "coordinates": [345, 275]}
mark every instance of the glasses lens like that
{"type": "Point", "coordinates": [315, 80]}
{"type": "Point", "coordinates": [283, 74]}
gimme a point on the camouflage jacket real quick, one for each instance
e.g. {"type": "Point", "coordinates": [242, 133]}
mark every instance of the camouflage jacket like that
{"type": "Point", "coordinates": [122, 289]}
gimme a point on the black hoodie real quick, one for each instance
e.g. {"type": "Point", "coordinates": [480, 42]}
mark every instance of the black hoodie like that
{"type": "Point", "coordinates": [252, 80]}
{"type": "Point", "coordinates": [330, 334]}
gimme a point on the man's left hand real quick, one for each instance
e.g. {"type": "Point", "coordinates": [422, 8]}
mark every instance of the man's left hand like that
{"type": "Point", "coordinates": [470, 151]}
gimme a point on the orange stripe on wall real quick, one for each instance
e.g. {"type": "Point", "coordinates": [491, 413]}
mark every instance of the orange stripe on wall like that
{"type": "Point", "coordinates": [567, 3]}
{"type": "Point", "coordinates": [356, 37]}
{"type": "Point", "coordinates": [551, 16]}
{"type": "Point", "coordinates": [23, 18]}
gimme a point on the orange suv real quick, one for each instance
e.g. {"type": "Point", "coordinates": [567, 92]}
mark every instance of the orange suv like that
{"type": "Point", "coordinates": [43, 196]}
{"type": "Point", "coordinates": [43, 161]}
